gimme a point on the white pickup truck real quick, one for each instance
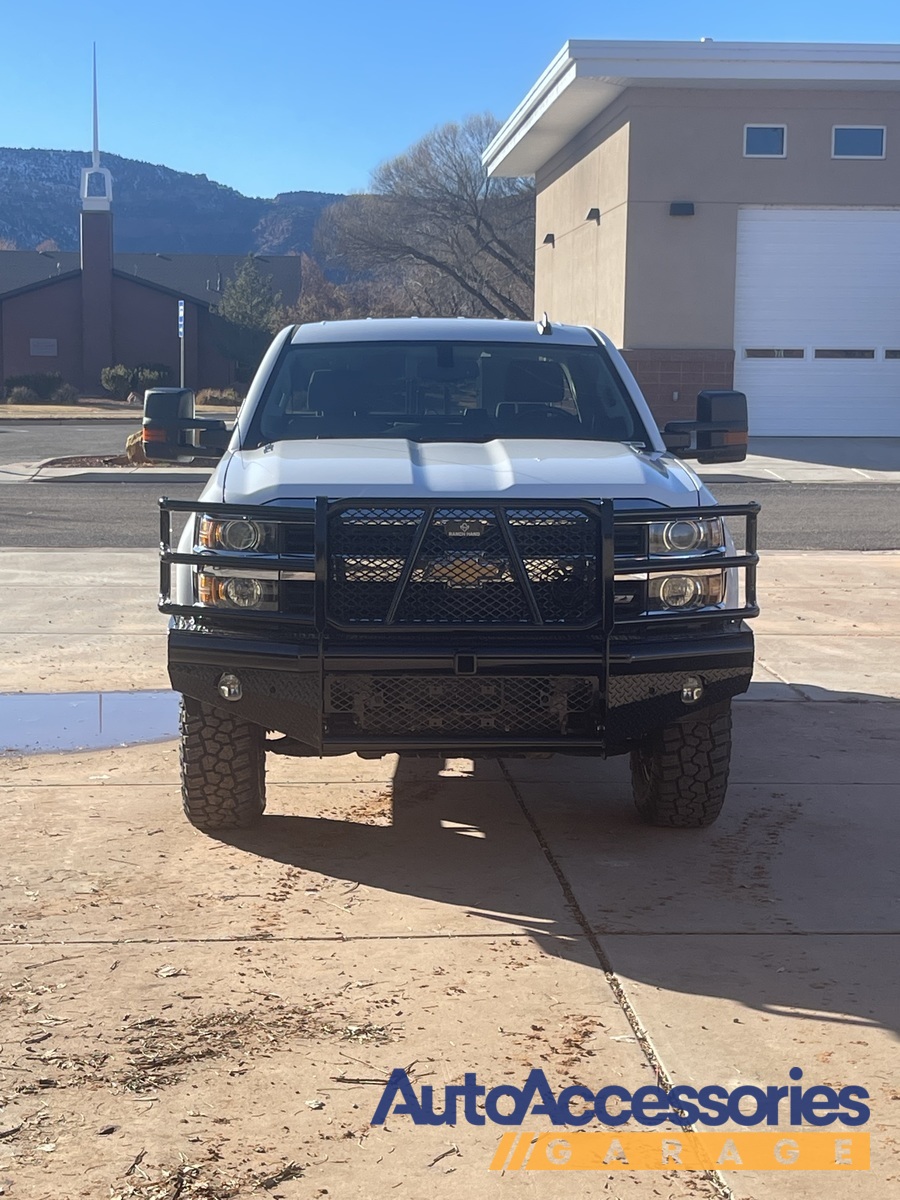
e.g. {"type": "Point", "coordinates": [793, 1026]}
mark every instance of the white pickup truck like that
{"type": "Point", "coordinates": [454, 537]}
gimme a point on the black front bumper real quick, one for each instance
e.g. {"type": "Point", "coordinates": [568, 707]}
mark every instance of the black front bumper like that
{"type": "Point", "coordinates": [459, 626]}
{"type": "Point", "coordinates": [393, 697]}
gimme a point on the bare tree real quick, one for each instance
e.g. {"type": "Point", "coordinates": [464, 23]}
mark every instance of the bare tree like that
{"type": "Point", "coordinates": [461, 242]}
{"type": "Point", "coordinates": [322, 299]}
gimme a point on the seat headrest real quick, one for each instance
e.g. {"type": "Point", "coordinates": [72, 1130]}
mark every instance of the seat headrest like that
{"type": "Point", "coordinates": [531, 382]}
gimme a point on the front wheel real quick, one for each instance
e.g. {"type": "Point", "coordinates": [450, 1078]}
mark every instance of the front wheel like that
{"type": "Point", "coordinates": [680, 773]}
{"type": "Point", "coordinates": [223, 767]}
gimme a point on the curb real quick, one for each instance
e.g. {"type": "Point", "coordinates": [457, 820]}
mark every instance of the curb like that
{"type": "Point", "coordinates": [37, 472]}
{"type": "Point", "coordinates": [92, 417]}
{"type": "Point", "coordinates": [197, 475]}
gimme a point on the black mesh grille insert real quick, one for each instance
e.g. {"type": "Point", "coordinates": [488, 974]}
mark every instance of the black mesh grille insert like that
{"type": "Point", "coordinates": [472, 566]}
{"type": "Point", "coordinates": [462, 706]}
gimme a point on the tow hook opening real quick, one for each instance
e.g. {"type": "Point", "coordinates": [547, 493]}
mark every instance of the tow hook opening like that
{"type": "Point", "coordinates": [229, 687]}
{"type": "Point", "coordinates": [692, 689]}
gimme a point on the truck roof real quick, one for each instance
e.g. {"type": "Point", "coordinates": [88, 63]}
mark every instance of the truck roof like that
{"type": "Point", "coordinates": [441, 329]}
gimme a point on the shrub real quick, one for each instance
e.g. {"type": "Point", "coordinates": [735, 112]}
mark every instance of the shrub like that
{"type": "Point", "coordinates": [44, 383]}
{"type": "Point", "coordinates": [117, 381]}
{"type": "Point", "coordinates": [120, 380]}
{"type": "Point", "coordinates": [150, 375]}
{"type": "Point", "coordinates": [65, 395]}
{"type": "Point", "coordinates": [219, 397]}
{"type": "Point", "coordinates": [23, 395]}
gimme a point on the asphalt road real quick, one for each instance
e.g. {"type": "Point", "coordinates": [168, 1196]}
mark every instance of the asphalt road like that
{"type": "Point", "coordinates": [794, 516]}
{"type": "Point", "coordinates": [34, 441]}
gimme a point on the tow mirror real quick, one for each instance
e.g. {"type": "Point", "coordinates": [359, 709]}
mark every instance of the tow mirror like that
{"type": "Point", "coordinates": [718, 435]}
{"type": "Point", "coordinates": [172, 433]}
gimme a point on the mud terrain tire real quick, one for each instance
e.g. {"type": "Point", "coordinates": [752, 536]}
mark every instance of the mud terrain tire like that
{"type": "Point", "coordinates": [680, 774]}
{"type": "Point", "coordinates": [223, 768]}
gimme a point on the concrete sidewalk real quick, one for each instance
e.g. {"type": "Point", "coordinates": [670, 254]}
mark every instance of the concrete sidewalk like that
{"type": "Point", "coordinates": [813, 460]}
{"type": "Point", "coordinates": [830, 620]}
{"type": "Point", "coordinates": [232, 1003]}
{"type": "Point", "coordinates": [84, 410]}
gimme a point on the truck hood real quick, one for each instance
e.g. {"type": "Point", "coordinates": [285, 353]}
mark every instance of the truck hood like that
{"type": "Point", "coordinates": [342, 468]}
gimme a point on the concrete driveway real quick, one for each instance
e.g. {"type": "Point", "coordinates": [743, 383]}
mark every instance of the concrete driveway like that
{"type": "Point", "coordinates": [182, 1012]}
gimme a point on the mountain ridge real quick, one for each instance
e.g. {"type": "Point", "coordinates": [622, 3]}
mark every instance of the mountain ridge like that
{"type": "Point", "coordinates": [157, 209]}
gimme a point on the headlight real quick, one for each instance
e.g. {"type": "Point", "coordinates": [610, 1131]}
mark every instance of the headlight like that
{"type": "Point", "coordinates": [687, 536]}
{"type": "Point", "coordinates": [238, 536]}
{"type": "Point", "coordinates": [694, 589]}
{"type": "Point", "coordinates": [237, 591]}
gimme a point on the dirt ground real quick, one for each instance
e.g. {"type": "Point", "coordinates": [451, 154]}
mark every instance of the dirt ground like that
{"type": "Point", "coordinates": [184, 1016]}
{"type": "Point", "coordinates": [188, 1016]}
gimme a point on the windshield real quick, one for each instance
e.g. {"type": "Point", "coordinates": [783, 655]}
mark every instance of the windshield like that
{"type": "Point", "coordinates": [445, 392]}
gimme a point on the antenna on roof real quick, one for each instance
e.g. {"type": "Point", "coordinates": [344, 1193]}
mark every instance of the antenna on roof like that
{"type": "Point", "coordinates": [543, 326]}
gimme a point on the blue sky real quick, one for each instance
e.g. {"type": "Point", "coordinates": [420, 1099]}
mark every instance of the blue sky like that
{"type": "Point", "coordinates": [278, 96]}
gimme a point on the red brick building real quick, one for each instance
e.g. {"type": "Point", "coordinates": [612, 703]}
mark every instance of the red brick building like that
{"type": "Point", "coordinates": [77, 313]}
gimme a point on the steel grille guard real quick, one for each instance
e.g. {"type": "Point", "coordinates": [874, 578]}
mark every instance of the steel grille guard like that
{"type": "Point", "coordinates": [322, 517]}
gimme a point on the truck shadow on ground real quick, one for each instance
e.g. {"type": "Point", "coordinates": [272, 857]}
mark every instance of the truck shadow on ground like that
{"type": "Point", "coordinates": [786, 905]}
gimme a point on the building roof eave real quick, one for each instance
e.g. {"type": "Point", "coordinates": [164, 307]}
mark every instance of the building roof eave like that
{"type": "Point", "coordinates": [40, 283]}
{"type": "Point", "coordinates": [160, 287]}
{"type": "Point", "coordinates": [587, 76]}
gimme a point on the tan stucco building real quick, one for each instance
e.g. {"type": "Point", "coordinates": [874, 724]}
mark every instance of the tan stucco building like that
{"type": "Point", "coordinates": [730, 215]}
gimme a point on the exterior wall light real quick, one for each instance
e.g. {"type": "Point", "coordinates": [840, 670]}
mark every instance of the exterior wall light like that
{"type": "Point", "coordinates": [593, 215]}
{"type": "Point", "coordinates": [549, 239]}
{"type": "Point", "coordinates": [681, 208]}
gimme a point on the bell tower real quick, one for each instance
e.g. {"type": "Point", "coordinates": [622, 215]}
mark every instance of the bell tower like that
{"type": "Point", "coordinates": [96, 262]}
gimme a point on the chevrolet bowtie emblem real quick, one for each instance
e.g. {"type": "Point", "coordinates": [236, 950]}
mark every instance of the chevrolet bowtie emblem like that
{"type": "Point", "coordinates": [463, 570]}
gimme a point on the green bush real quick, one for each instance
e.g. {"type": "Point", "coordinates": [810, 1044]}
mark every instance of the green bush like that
{"type": "Point", "coordinates": [23, 395]}
{"type": "Point", "coordinates": [117, 381]}
{"type": "Point", "coordinates": [65, 395]}
{"type": "Point", "coordinates": [150, 375]}
{"type": "Point", "coordinates": [44, 383]}
{"type": "Point", "coordinates": [220, 397]}
{"type": "Point", "coordinates": [121, 381]}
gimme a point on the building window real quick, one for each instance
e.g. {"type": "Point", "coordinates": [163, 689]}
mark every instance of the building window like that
{"type": "Point", "coordinates": [892, 354]}
{"type": "Point", "coordinates": [766, 352]}
{"type": "Point", "coordinates": [829, 353]}
{"type": "Point", "coordinates": [857, 141]}
{"type": "Point", "coordinates": [765, 141]}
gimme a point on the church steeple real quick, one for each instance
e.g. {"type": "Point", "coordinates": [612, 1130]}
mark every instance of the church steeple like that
{"type": "Point", "coordinates": [96, 263]}
{"type": "Point", "coordinates": [96, 181]}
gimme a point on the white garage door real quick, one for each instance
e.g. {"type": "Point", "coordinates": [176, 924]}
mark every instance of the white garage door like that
{"type": "Point", "coordinates": [817, 321]}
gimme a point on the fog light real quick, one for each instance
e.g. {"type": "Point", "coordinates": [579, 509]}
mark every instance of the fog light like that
{"type": "Point", "coordinates": [687, 591]}
{"type": "Point", "coordinates": [680, 591]}
{"type": "Point", "coordinates": [242, 593]}
{"type": "Point", "coordinates": [229, 687]}
{"type": "Point", "coordinates": [692, 689]}
{"type": "Point", "coordinates": [237, 591]}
